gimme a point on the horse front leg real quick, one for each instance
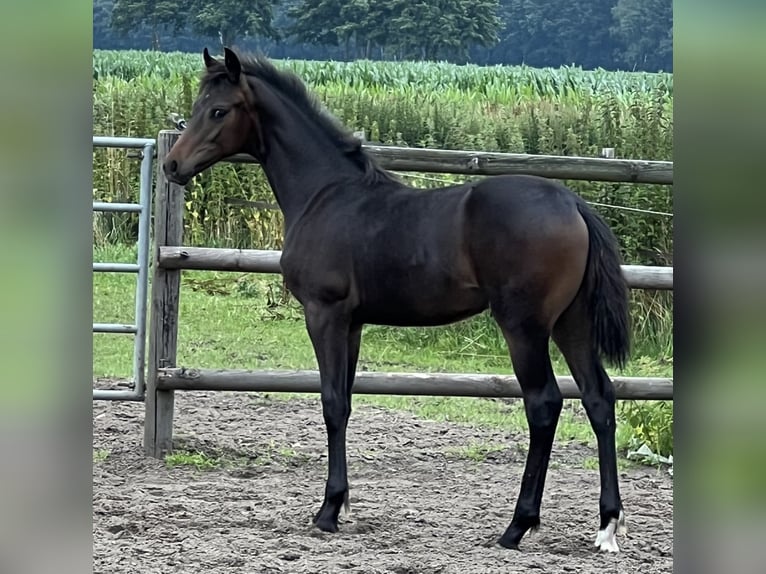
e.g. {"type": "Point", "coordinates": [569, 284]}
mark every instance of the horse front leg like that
{"type": "Point", "coordinates": [330, 330]}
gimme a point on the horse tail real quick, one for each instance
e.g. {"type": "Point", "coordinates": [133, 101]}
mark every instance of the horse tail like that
{"type": "Point", "coordinates": [606, 290]}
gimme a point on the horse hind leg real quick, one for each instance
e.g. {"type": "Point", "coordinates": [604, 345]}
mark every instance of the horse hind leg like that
{"type": "Point", "coordinates": [572, 334]}
{"type": "Point", "coordinates": [528, 345]}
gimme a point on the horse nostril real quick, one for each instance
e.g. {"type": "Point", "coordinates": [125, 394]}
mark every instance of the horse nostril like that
{"type": "Point", "coordinates": [171, 166]}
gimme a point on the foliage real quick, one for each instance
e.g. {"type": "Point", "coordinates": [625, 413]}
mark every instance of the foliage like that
{"type": "Point", "coordinates": [156, 14]}
{"type": "Point", "coordinates": [398, 28]}
{"type": "Point", "coordinates": [642, 26]}
{"type": "Point", "coordinates": [430, 30]}
{"type": "Point", "coordinates": [538, 31]}
{"type": "Point", "coordinates": [198, 460]}
{"type": "Point", "coordinates": [611, 34]}
{"type": "Point", "coordinates": [651, 423]}
{"type": "Point", "coordinates": [232, 19]}
{"type": "Point", "coordinates": [502, 82]}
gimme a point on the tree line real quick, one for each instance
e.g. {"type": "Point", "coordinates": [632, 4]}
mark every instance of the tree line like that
{"type": "Point", "coordinates": [611, 34]}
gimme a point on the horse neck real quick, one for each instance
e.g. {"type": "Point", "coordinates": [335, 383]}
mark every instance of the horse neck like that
{"type": "Point", "coordinates": [301, 163]}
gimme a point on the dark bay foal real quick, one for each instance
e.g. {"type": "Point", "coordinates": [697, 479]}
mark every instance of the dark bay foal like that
{"type": "Point", "coordinates": [362, 248]}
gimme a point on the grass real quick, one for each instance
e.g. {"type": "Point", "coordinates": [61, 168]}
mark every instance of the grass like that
{"type": "Point", "coordinates": [100, 455]}
{"type": "Point", "coordinates": [591, 463]}
{"type": "Point", "coordinates": [198, 460]}
{"type": "Point", "coordinates": [202, 459]}
{"type": "Point", "coordinates": [233, 320]}
{"type": "Point", "coordinates": [475, 451]}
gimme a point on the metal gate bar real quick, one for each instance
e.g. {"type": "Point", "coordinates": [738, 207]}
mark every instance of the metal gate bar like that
{"type": "Point", "coordinates": [141, 268]}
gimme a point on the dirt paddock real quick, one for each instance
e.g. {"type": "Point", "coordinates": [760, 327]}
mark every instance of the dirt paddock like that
{"type": "Point", "coordinates": [419, 505]}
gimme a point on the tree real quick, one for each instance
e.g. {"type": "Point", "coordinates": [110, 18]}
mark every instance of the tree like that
{"type": "Point", "coordinates": [357, 25]}
{"type": "Point", "coordinates": [158, 15]}
{"type": "Point", "coordinates": [594, 45]}
{"type": "Point", "coordinates": [420, 29]}
{"type": "Point", "coordinates": [533, 31]}
{"type": "Point", "coordinates": [645, 28]}
{"type": "Point", "coordinates": [102, 16]}
{"type": "Point", "coordinates": [316, 21]}
{"type": "Point", "coordinates": [438, 28]}
{"type": "Point", "coordinates": [558, 32]}
{"type": "Point", "coordinates": [232, 19]}
{"type": "Point", "coordinates": [365, 23]}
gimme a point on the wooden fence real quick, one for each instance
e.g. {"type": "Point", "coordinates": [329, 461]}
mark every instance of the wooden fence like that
{"type": "Point", "coordinates": [170, 257]}
{"type": "Point", "coordinates": [492, 163]}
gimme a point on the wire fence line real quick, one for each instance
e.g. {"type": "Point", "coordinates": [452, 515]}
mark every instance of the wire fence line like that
{"type": "Point", "coordinates": [608, 205]}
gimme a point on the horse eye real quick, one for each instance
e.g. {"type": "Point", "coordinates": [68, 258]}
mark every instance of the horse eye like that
{"type": "Point", "coordinates": [217, 113]}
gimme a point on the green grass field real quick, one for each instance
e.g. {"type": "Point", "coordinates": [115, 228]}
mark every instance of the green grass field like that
{"type": "Point", "coordinates": [241, 321]}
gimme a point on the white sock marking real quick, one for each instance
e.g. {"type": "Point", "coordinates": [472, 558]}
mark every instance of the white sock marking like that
{"type": "Point", "coordinates": [606, 541]}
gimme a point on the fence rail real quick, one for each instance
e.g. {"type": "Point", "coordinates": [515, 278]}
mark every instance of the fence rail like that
{"type": "Point", "coordinates": [378, 383]}
{"type": "Point", "coordinates": [267, 261]}
{"type": "Point", "coordinates": [171, 256]}
{"type": "Point", "coordinates": [431, 160]}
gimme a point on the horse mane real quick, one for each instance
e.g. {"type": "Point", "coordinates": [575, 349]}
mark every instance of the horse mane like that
{"type": "Point", "coordinates": [293, 88]}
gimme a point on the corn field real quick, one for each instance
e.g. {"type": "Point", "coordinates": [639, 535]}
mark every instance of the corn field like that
{"type": "Point", "coordinates": [487, 80]}
{"type": "Point", "coordinates": [564, 111]}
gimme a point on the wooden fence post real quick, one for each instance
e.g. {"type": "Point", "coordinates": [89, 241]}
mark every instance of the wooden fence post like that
{"type": "Point", "coordinates": [163, 327]}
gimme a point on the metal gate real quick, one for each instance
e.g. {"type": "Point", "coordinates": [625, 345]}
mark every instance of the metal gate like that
{"type": "Point", "coordinates": [140, 268]}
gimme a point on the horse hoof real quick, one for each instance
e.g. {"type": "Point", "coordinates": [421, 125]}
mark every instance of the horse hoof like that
{"type": "Point", "coordinates": [507, 544]}
{"type": "Point", "coordinates": [318, 514]}
{"type": "Point", "coordinates": [326, 525]}
{"type": "Point", "coordinates": [606, 539]}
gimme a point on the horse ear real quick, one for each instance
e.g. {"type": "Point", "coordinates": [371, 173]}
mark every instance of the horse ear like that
{"type": "Point", "coordinates": [232, 65]}
{"type": "Point", "coordinates": [209, 60]}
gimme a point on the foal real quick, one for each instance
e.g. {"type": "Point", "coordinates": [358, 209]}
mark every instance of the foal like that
{"type": "Point", "coordinates": [362, 248]}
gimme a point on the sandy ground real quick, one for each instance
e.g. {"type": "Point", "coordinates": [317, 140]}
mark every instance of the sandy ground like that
{"type": "Point", "coordinates": [419, 505]}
